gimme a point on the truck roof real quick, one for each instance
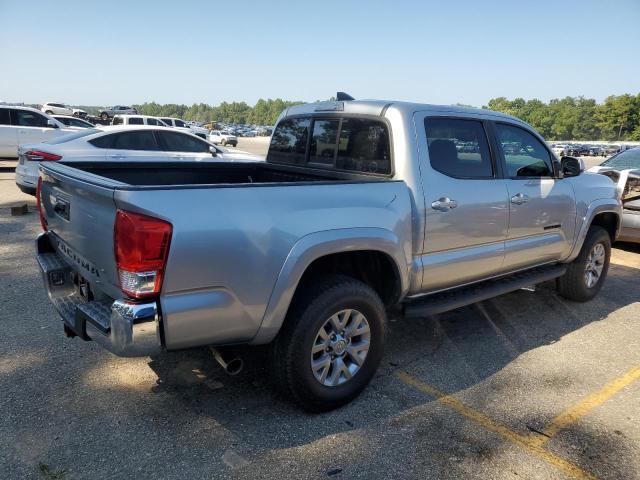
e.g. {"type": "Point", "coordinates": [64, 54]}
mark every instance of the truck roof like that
{"type": "Point", "coordinates": [378, 107]}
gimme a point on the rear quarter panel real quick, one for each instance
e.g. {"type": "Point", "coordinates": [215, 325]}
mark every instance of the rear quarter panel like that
{"type": "Point", "coordinates": [229, 246]}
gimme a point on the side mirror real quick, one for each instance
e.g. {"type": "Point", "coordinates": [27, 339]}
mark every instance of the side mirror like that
{"type": "Point", "coordinates": [52, 124]}
{"type": "Point", "coordinates": [571, 167]}
{"type": "Point", "coordinates": [213, 150]}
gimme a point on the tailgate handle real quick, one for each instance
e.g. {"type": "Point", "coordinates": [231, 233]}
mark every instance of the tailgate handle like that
{"type": "Point", "coordinates": [61, 208]}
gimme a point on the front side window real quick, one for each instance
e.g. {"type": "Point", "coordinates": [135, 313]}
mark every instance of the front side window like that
{"type": "Point", "coordinates": [26, 118]}
{"type": "Point", "coordinates": [140, 140]}
{"type": "Point", "coordinates": [364, 146]}
{"type": "Point", "coordinates": [152, 121]}
{"type": "Point", "coordinates": [136, 121]}
{"type": "Point", "coordinates": [524, 154]}
{"type": "Point", "coordinates": [324, 141]}
{"type": "Point", "coordinates": [181, 124]}
{"type": "Point", "coordinates": [118, 121]}
{"type": "Point", "coordinates": [179, 142]}
{"type": "Point", "coordinates": [167, 121]}
{"type": "Point", "coordinates": [289, 141]}
{"type": "Point", "coordinates": [458, 147]}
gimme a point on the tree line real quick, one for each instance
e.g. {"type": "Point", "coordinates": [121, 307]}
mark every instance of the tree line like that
{"type": "Point", "coordinates": [569, 118]}
{"type": "Point", "coordinates": [577, 118]}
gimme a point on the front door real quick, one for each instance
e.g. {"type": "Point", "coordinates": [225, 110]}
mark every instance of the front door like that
{"type": "Point", "coordinates": [542, 212]}
{"type": "Point", "coordinates": [33, 127]}
{"type": "Point", "coordinates": [466, 203]}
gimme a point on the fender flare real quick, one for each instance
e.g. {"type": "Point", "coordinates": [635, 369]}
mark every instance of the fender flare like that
{"type": "Point", "coordinates": [319, 244]}
{"type": "Point", "coordinates": [603, 205]}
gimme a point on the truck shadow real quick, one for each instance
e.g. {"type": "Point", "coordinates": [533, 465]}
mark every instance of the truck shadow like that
{"type": "Point", "coordinates": [454, 351]}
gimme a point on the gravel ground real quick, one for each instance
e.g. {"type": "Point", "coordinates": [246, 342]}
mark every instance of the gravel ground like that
{"type": "Point", "coordinates": [459, 395]}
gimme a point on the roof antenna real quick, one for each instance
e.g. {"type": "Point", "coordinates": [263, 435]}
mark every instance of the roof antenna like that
{"type": "Point", "coordinates": [341, 96]}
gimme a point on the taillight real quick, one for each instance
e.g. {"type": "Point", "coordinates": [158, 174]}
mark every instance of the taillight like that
{"type": "Point", "coordinates": [141, 244]}
{"type": "Point", "coordinates": [43, 222]}
{"type": "Point", "coordinates": [40, 156]}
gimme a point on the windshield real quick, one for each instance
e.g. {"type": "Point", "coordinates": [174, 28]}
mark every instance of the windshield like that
{"type": "Point", "coordinates": [73, 136]}
{"type": "Point", "coordinates": [624, 160]}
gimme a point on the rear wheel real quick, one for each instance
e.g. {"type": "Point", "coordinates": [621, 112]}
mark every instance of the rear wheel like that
{"type": "Point", "coordinates": [331, 343]}
{"type": "Point", "coordinates": [586, 274]}
{"type": "Point", "coordinates": [49, 112]}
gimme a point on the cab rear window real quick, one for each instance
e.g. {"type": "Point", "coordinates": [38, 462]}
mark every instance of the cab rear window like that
{"type": "Point", "coordinates": [351, 144]}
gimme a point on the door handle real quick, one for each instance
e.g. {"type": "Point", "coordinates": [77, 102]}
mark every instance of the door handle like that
{"type": "Point", "coordinates": [519, 198]}
{"type": "Point", "coordinates": [444, 204]}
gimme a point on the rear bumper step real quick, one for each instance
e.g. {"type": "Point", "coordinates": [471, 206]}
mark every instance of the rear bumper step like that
{"type": "Point", "coordinates": [124, 328]}
{"type": "Point", "coordinates": [460, 297]}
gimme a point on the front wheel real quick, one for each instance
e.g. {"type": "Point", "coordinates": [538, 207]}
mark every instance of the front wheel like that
{"type": "Point", "coordinates": [586, 274]}
{"type": "Point", "coordinates": [331, 343]}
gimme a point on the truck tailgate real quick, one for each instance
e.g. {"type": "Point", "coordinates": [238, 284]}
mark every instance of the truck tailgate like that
{"type": "Point", "coordinates": [81, 215]}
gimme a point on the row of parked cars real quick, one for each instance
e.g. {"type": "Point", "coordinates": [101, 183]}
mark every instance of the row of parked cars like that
{"type": "Point", "coordinates": [588, 150]}
{"type": "Point", "coordinates": [35, 137]}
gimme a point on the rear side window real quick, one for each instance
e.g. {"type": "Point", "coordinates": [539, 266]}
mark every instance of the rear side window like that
{"type": "Point", "coordinates": [324, 141]}
{"type": "Point", "coordinates": [179, 142]}
{"type": "Point", "coordinates": [289, 141]}
{"type": "Point", "coordinates": [4, 116]}
{"type": "Point", "coordinates": [524, 154]}
{"type": "Point", "coordinates": [364, 146]}
{"type": "Point", "coordinates": [26, 118]}
{"type": "Point", "coordinates": [136, 121]}
{"type": "Point", "coordinates": [104, 141]}
{"type": "Point", "coordinates": [458, 148]}
{"type": "Point", "coordinates": [140, 140]}
{"type": "Point", "coordinates": [117, 121]}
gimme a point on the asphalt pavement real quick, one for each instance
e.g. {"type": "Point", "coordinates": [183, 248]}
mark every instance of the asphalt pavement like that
{"type": "Point", "coordinates": [526, 385]}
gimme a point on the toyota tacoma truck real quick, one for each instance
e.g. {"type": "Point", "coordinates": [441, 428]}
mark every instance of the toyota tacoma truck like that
{"type": "Point", "coordinates": [362, 209]}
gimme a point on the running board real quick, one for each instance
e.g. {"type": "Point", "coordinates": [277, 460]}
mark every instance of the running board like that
{"type": "Point", "coordinates": [477, 292]}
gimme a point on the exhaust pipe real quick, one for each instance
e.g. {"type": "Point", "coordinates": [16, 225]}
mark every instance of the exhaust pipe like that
{"type": "Point", "coordinates": [229, 363]}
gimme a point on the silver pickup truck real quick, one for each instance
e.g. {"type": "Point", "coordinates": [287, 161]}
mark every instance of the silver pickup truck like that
{"type": "Point", "coordinates": [361, 208]}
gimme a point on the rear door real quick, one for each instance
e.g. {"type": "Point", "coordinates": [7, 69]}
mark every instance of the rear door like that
{"type": "Point", "coordinates": [542, 209]}
{"type": "Point", "coordinates": [8, 135]}
{"type": "Point", "coordinates": [33, 127]}
{"type": "Point", "coordinates": [135, 145]}
{"type": "Point", "coordinates": [466, 202]}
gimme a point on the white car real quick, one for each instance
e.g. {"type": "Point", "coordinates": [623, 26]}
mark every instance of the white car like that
{"type": "Point", "coordinates": [138, 120]}
{"type": "Point", "coordinates": [73, 122]}
{"type": "Point", "coordinates": [20, 125]}
{"type": "Point", "coordinates": [560, 150]}
{"type": "Point", "coordinates": [183, 126]}
{"type": "Point", "coordinates": [119, 144]}
{"type": "Point", "coordinates": [222, 138]}
{"type": "Point", "coordinates": [51, 108]}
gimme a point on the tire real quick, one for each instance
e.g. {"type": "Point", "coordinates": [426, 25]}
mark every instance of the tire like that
{"type": "Point", "coordinates": [313, 308]}
{"type": "Point", "coordinates": [104, 116]}
{"type": "Point", "coordinates": [49, 112]}
{"type": "Point", "coordinates": [574, 284]}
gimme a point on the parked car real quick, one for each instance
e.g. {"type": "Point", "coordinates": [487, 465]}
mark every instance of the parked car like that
{"type": "Point", "coordinates": [109, 112]}
{"type": "Point", "coordinates": [73, 122]}
{"type": "Point", "coordinates": [624, 170]}
{"type": "Point", "coordinates": [222, 138]}
{"type": "Point", "coordinates": [51, 108]}
{"type": "Point", "coordinates": [26, 125]}
{"type": "Point", "coordinates": [119, 144]}
{"type": "Point", "coordinates": [561, 150]}
{"type": "Point", "coordinates": [308, 252]}
{"type": "Point", "coordinates": [138, 120]}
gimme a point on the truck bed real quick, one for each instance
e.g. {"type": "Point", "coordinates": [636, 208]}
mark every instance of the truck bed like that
{"type": "Point", "coordinates": [197, 173]}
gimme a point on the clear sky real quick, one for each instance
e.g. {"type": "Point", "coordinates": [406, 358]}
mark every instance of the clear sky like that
{"type": "Point", "coordinates": [112, 51]}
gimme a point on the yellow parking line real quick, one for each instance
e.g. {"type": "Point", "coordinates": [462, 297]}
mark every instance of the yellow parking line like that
{"type": "Point", "coordinates": [583, 407]}
{"type": "Point", "coordinates": [527, 443]}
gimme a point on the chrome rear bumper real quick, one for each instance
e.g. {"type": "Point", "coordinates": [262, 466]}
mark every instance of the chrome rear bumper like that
{"type": "Point", "coordinates": [124, 328]}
